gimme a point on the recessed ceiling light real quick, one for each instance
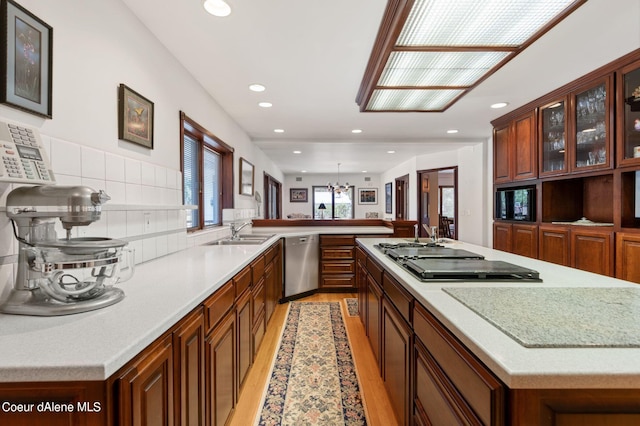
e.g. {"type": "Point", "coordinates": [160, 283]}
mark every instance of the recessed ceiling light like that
{"type": "Point", "coordinates": [217, 7]}
{"type": "Point", "coordinates": [257, 87]}
{"type": "Point", "coordinates": [451, 131]}
{"type": "Point", "coordinates": [356, 131]}
{"type": "Point", "coordinates": [499, 105]}
{"type": "Point", "coordinates": [265, 104]}
{"type": "Point", "coordinates": [278, 130]}
{"type": "Point", "coordinates": [391, 152]}
{"type": "Point", "coordinates": [297, 152]}
{"type": "Point", "coordinates": [364, 171]}
{"type": "Point", "coordinates": [303, 171]}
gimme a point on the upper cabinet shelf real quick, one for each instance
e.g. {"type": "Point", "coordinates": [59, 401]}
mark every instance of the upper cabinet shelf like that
{"type": "Point", "coordinates": [591, 125]}
{"type": "Point", "coordinates": [575, 131]}
{"type": "Point", "coordinates": [628, 118]}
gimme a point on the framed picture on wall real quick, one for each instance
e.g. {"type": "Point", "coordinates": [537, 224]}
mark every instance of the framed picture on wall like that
{"type": "Point", "coordinates": [388, 188]}
{"type": "Point", "coordinates": [27, 49]}
{"type": "Point", "coordinates": [135, 117]}
{"type": "Point", "coordinates": [298, 195]}
{"type": "Point", "coordinates": [367, 195]}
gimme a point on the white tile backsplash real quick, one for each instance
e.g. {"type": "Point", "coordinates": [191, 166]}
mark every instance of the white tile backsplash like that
{"type": "Point", "coordinates": [133, 193]}
{"type": "Point", "coordinates": [65, 158]}
{"type": "Point", "coordinates": [149, 249]}
{"type": "Point", "coordinates": [93, 163]}
{"type": "Point", "coordinates": [116, 224]}
{"type": "Point", "coordinates": [114, 165]}
{"type": "Point", "coordinates": [135, 223]}
{"type": "Point", "coordinates": [132, 171]}
{"type": "Point", "coordinates": [131, 184]}
{"type": "Point", "coordinates": [148, 174]}
{"type": "Point", "coordinates": [6, 237]}
{"type": "Point", "coordinates": [117, 192]}
{"type": "Point", "coordinates": [95, 184]}
{"type": "Point", "coordinates": [68, 180]}
{"type": "Point", "coordinates": [161, 177]}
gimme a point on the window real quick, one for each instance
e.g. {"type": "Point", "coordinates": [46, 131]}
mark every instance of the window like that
{"type": "Point", "coordinates": [338, 205]}
{"type": "Point", "coordinates": [447, 203]}
{"type": "Point", "coordinates": [207, 175]}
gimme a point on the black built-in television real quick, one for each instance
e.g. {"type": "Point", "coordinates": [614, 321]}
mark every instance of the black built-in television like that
{"type": "Point", "coordinates": [516, 204]}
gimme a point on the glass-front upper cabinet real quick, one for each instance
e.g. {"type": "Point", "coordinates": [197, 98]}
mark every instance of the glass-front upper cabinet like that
{"type": "Point", "coordinates": [628, 120]}
{"type": "Point", "coordinates": [552, 133]}
{"type": "Point", "coordinates": [591, 130]}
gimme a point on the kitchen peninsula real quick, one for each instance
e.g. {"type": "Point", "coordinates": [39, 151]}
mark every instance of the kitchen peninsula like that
{"type": "Point", "coordinates": [79, 356]}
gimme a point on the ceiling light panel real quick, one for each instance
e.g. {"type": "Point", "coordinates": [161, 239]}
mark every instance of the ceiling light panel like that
{"type": "Point", "coordinates": [411, 100]}
{"type": "Point", "coordinates": [438, 68]}
{"type": "Point", "coordinates": [477, 23]}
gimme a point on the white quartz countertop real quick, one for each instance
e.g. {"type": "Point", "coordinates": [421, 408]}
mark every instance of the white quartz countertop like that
{"type": "Point", "coordinates": [516, 365]}
{"type": "Point", "coordinates": [94, 345]}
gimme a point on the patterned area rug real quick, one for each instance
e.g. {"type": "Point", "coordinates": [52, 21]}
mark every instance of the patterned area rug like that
{"type": "Point", "coordinates": [352, 306]}
{"type": "Point", "coordinates": [313, 381]}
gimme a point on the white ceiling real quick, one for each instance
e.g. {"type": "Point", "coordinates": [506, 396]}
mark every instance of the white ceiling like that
{"type": "Point", "coordinates": [311, 56]}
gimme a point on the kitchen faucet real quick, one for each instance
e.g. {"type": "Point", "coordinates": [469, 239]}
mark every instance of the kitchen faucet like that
{"type": "Point", "coordinates": [235, 231]}
{"type": "Point", "coordinates": [433, 233]}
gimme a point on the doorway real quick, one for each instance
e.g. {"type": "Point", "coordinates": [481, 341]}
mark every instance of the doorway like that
{"type": "Point", "coordinates": [438, 201]}
{"type": "Point", "coordinates": [273, 198]}
{"type": "Point", "coordinates": [402, 201]}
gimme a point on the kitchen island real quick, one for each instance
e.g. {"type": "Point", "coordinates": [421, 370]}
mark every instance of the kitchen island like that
{"type": "Point", "coordinates": [558, 376]}
{"type": "Point", "coordinates": [92, 347]}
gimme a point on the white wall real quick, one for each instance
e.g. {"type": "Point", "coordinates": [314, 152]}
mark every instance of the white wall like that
{"type": "Point", "coordinates": [310, 180]}
{"type": "Point", "coordinates": [97, 46]}
{"type": "Point", "coordinates": [473, 192]}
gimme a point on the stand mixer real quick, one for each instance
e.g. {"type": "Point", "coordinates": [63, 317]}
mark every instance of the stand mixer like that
{"type": "Point", "coordinates": [68, 275]}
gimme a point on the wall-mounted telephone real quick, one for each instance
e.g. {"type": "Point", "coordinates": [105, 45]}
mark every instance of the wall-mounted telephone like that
{"type": "Point", "coordinates": [22, 156]}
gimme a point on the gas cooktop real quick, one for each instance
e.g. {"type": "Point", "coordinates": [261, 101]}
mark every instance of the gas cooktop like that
{"type": "Point", "coordinates": [434, 262]}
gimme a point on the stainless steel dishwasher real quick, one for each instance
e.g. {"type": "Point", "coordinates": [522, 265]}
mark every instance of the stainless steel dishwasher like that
{"type": "Point", "coordinates": [301, 254]}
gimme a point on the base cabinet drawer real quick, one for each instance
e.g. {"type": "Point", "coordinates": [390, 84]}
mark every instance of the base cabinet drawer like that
{"type": "Point", "coordinates": [476, 386]}
{"type": "Point", "coordinates": [338, 281]}
{"type": "Point", "coordinates": [436, 402]}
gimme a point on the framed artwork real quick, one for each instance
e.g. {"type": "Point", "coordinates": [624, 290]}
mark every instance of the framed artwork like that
{"type": "Point", "coordinates": [367, 195]}
{"type": "Point", "coordinates": [298, 195]}
{"type": "Point", "coordinates": [247, 176]}
{"type": "Point", "coordinates": [135, 117]}
{"type": "Point", "coordinates": [388, 188]}
{"type": "Point", "coordinates": [27, 51]}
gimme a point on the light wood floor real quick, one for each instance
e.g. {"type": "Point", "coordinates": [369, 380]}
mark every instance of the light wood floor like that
{"type": "Point", "coordinates": [377, 405]}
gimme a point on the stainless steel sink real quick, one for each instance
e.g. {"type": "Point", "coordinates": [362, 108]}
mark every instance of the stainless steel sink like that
{"type": "Point", "coordinates": [244, 239]}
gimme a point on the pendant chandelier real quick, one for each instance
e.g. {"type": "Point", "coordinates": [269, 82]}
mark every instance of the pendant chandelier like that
{"type": "Point", "coordinates": [337, 188]}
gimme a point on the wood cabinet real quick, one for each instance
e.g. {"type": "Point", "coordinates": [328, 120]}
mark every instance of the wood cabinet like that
{"type": "Point", "coordinates": [525, 240]}
{"type": "Point", "coordinates": [191, 375]}
{"type": "Point", "coordinates": [220, 369]}
{"type": "Point", "coordinates": [554, 244]}
{"type": "Point", "coordinates": [89, 400]}
{"type": "Point", "coordinates": [525, 153]}
{"type": "Point", "coordinates": [515, 155]}
{"type": "Point", "coordinates": [502, 236]}
{"type": "Point", "coordinates": [188, 344]}
{"type": "Point", "coordinates": [592, 250]}
{"type": "Point", "coordinates": [396, 347]}
{"type": "Point", "coordinates": [244, 326]}
{"type": "Point", "coordinates": [259, 323]}
{"type": "Point", "coordinates": [515, 238]}
{"type": "Point", "coordinates": [146, 388]}
{"type": "Point", "coordinates": [337, 262]}
{"type": "Point", "coordinates": [361, 283]}
{"type": "Point", "coordinates": [501, 154]}
{"type": "Point", "coordinates": [575, 407]}
{"type": "Point", "coordinates": [627, 255]}
{"type": "Point", "coordinates": [374, 313]}
{"type": "Point", "coordinates": [463, 388]}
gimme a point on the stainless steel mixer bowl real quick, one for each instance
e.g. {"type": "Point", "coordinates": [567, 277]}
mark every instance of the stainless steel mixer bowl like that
{"type": "Point", "coordinates": [83, 245]}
